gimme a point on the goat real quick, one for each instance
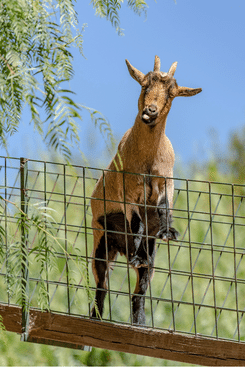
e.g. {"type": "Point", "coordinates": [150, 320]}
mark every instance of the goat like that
{"type": "Point", "coordinates": [131, 203]}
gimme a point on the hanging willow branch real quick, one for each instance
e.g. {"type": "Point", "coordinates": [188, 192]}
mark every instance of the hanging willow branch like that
{"type": "Point", "coordinates": [35, 66]}
{"type": "Point", "coordinates": [39, 219]}
{"type": "Point", "coordinates": [109, 9]}
{"type": "Point", "coordinates": [36, 38]}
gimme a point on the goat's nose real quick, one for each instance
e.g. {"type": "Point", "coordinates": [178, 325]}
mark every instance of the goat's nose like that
{"type": "Point", "coordinates": [149, 114]}
{"type": "Point", "coordinates": [152, 109]}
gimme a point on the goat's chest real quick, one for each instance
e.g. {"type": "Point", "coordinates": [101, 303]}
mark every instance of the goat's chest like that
{"type": "Point", "coordinates": [138, 188]}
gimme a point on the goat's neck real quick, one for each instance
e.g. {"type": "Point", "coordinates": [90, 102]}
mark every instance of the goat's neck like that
{"type": "Point", "coordinates": [148, 139]}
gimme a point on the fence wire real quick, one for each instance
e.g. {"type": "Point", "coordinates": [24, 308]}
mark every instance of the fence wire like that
{"type": "Point", "coordinates": [198, 286]}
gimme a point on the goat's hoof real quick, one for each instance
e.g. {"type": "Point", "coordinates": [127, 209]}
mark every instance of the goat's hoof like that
{"type": "Point", "coordinates": [139, 324]}
{"type": "Point", "coordinates": [140, 321]}
{"type": "Point", "coordinates": [171, 234]}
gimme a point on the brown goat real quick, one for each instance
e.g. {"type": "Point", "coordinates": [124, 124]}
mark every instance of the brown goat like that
{"type": "Point", "coordinates": [131, 208]}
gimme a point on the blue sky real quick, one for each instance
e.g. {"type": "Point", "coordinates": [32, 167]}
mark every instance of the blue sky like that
{"type": "Point", "coordinates": [205, 37]}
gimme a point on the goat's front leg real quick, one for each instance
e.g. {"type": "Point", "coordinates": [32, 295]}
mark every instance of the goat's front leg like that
{"type": "Point", "coordinates": [162, 192]}
{"type": "Point", "coordinates": [166, 232]}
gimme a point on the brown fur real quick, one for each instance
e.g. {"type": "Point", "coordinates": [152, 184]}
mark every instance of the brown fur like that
{"type": "Point", "coordinates": [144, 149]}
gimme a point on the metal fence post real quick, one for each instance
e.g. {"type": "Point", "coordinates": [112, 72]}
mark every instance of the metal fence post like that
{"type": "Point", "coordinates": [24, 249]}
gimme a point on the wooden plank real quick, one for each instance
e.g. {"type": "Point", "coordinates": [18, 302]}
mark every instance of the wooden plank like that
{"type": "Point", "coordinates": [12, 318]}
{"type": "Point", "coordinates": [77, 331]}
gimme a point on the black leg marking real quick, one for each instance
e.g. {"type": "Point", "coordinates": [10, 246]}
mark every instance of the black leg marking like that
{"type": "Point", "coordinates": [137, 227]}
{"type": "Point", "coordinates": [166, 232]}
{"type": "Point", "coordinates": [141, 258]}
{"type": "Point", "coordinates": [144, 275]}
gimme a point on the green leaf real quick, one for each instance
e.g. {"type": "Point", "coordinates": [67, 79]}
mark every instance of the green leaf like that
{"type": "Point", "coordinates": [36, 65]}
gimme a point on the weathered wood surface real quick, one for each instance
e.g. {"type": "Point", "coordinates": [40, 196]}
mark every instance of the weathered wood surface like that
{"type": "Point", "coordinates": [77, 331]}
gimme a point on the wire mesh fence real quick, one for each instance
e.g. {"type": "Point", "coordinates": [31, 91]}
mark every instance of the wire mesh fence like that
{"type": "Point", "coordinates": [198, 286]}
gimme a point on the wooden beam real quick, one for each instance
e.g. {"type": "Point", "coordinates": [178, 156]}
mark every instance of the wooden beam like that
{"type": "Point", "coordinates": [74, 332]}
{"type": "Point", "coordinates": [12, 318]}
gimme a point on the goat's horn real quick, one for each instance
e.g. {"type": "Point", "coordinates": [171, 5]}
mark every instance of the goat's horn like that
{"type": "Point", "coordinates": [157, 64]}
{"type": "Point", "coordinates": [136, 74]}
{"type": "Point", "coordinates": [172, 68]}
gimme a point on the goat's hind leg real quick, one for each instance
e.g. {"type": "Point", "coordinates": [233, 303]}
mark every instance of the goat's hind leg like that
{"type": "Point", "coordinates": [100, 271]}
{"type": "Point", "coordinates": [144, 276]}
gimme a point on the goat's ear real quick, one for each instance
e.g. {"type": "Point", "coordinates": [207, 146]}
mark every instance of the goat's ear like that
{"type": "Point", "coordinates": [136, 74]}
{"type": "Point", "coordinates": [187, 92]}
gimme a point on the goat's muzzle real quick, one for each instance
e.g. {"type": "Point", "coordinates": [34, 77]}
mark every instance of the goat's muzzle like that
{"type": "Point", "coordinates": [149, 114]}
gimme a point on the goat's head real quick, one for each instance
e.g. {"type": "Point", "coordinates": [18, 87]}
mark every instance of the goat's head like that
{"type": "Point", "coordinates": [158, 91]}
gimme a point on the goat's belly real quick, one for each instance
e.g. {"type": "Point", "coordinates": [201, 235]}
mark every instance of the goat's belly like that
{"type": "Point", "coordinates": [116, 226]}
{"type": "Point", "coordinates": [118, 234]}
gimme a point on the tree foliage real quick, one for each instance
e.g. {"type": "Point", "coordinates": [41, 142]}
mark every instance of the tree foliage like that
{"type": "Point", "coordinates": [109, 9]}
{"type": "Point", "coordinates": [36, 63]}
{"type": "Point", "coordinates": [237, 155]}
{"type": "Point", "coordinates": [36, 37]}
